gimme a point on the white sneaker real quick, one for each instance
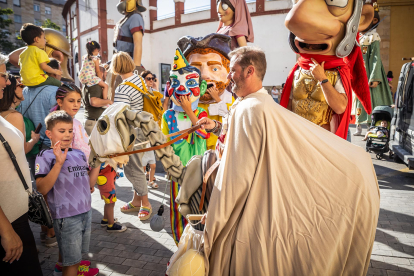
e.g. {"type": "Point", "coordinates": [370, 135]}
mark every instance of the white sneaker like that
{"type": "Point", "coordinates": [358, 131]}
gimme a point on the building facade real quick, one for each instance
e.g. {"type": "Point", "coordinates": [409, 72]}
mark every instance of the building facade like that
{"type": "Point", "coordinates": [36, 12]}
{"type": "Point", "coordinates": [95, 20]}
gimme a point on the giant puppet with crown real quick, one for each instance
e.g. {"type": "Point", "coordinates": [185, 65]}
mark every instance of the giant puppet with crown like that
{"type": "Point", "coordinates": [325, 35]}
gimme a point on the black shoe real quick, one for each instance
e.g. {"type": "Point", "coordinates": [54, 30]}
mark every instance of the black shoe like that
{"type": "Point", "coordinates": [116, 228]}
{"type": "Point", "coordinates": [105, 223]}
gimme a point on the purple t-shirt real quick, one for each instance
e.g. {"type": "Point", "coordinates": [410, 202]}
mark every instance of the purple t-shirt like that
{"type": "Point", "coordinates": [71, 195]}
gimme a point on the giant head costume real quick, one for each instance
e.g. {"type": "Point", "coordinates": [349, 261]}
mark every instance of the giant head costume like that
{"type": "Point", "coordinates": [57, 46]}
{"type": "Point", "coordinates": [185, 81]}
{"type": "Point", "coordinates": [127, 6]}
{"type": "Point", "coordinates": [208, 54]}
{"type": "Point", "coordinates": [326, 31]}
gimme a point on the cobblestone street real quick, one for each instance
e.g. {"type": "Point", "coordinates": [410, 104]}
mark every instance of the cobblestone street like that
{"type": "Point", "coordinates": [140, 251]}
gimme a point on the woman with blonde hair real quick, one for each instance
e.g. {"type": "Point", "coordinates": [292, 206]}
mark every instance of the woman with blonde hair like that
{"type": "Point", "coordinates": [122, 64]}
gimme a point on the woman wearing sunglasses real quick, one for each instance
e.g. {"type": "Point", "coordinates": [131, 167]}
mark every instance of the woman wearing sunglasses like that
{"type": "Point", "coordinates": [13, 95]}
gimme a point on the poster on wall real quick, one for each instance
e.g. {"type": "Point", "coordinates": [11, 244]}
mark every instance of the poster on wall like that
{"type": "Point", "coordinates": [165, 73]}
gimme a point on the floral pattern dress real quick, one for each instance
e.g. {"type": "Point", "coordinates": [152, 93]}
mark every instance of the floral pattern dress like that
{"type": "Point", "coordinates": [87, 75]}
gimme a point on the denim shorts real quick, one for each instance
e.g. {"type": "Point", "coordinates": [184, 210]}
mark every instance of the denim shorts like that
{"type": "Point", "coordinates": [73, 235]}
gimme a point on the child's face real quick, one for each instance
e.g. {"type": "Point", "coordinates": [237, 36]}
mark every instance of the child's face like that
{"type": "Point", "coordinates": [95, 52]}
{"type": "Point", "coordinates": [41, 41]}
{"type": "Point", "coordinates": [384, 124]}
{"type": "Point", "coordinates": [71, 103]}
{"type": "Point", "coordinates": [62, 132]}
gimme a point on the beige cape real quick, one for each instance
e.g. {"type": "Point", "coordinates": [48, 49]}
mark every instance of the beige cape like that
{"type": "Point", "coordinates": [290, 198]}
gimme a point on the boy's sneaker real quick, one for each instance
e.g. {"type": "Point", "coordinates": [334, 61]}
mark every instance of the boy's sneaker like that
{"type": "Point", "coordinates": [59, 267]}
{"type": "Point", "coordinates": [116, 228]}
{"type": "Point", "coordinates": [87, 271]}
{"type": "Point", "coordinates": [49, 242]}
{"type": "Point", "coordinates": [105, 223]}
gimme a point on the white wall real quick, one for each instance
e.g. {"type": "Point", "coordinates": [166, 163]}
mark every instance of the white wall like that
{"type": "Point", "coordinates": [270, 35]}
{"type": "Point", "coordinates": [73, 11]}
{"type": "Point", "coordinates": [91, 36]}
{"type": "Point", "coordinates": [88, 14]}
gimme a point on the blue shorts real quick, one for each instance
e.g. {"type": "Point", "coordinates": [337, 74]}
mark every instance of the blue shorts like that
{"type": "Point", "coordinates": [73, 235]}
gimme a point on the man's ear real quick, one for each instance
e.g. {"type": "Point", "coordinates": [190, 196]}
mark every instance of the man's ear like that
{"type": "Point", "coordinates": [367, 15]}
{"type": "Point", "coordinates": [48, 134]}
{"type": "Point", "coordinates": [249, 71]}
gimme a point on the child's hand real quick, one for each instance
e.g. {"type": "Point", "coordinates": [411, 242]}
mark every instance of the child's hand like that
{"type": "Point", "coordinates": [214, 92]}
{"type": "Point", "coordinates": [58, 72]}
{"type": "Point", "coordinates": [186, 104]}
{"type": "Point", "coordinates": [92, 189]}
{"type": "Point", "coordinates": [60, 156]}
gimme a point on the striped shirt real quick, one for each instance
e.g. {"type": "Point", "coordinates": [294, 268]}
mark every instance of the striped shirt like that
{"type": "Point", "coordinates": [129, 95]}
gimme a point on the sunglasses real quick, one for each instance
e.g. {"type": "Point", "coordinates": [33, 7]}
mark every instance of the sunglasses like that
{"type": "Point", "coordinates": [21, 85]}
{"type": "Point", "coordinates": [149, 79]}
{"type": "Point", "coordinates": [5, 75]}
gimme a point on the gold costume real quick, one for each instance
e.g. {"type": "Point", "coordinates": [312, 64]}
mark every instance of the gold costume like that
{"type": "Point", "coordinates": [308, 99]}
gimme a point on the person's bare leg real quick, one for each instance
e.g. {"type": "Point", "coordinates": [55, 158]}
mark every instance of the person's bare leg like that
{"type": "Point", "coordinates": [136, 200]}
{"type": "Point", "coordinates": [70, 270]}
{"type": "Point", "coordinates": [109, 213]}
{"type": "Point", "coordinates": [50, 232]}
{"type": "Point", "coordinates": [152, 172]}
{"type": "Point", "coordinates": [104, 89]}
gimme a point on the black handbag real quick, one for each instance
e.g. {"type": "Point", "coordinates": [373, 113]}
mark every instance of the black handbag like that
{"type": "Point", "coordinates": [39, 212]}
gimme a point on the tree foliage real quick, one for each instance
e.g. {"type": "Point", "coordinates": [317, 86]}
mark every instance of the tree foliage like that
{"type": "Point", "coordinates": [6, 44]}
{"type": "Point", "coordinates": [49, 24]}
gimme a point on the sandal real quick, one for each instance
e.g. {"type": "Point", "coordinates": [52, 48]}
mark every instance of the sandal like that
{"type": "Point", "coordinates": [153, 185]}
{"type": "Point", "coordinates": [129, 208]}
{"type": "Point", "coordinates": [146, 211]}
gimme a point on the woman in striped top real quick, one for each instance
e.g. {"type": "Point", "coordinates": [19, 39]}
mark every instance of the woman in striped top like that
{"type": "Point", "coordinates": [123, 65]}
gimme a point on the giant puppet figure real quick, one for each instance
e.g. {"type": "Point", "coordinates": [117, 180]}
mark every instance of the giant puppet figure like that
{"type": "Point", "coordinates": [235, 21]}
{"type": "Point", "coordinates": [185, 88]}
{"type": "Point", "coordinates": [57, 46]}
{"type": "Point", "coordinates": [209, 54]}
{"type": "Point", "coordinates": [128, 34]}
{"type": "Point", "coordinates": [377, 78]}
{"type": "Point", "coordinates": [319, 87]}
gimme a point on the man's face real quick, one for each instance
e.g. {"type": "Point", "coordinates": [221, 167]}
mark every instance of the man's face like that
{"type": "Point", "coordinates": [186, 84]}
{"type": "Point", "coordinates": [319, 25]}
{"type": "Point", "coordinates": [236, 77]}
{"type": "Point", "coordinates": [212, 71]}
{"type": "Point", "coordinates": [62, 132]}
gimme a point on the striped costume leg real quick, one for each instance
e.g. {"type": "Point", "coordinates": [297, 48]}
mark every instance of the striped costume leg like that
{"type": "Point", "coordinates": [178, 222]}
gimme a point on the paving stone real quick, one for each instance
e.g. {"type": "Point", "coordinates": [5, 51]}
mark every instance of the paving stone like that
{"type": "Point", "coordinates": [139, 271]}
{"type": "Point", "coordinates": [113, 260]}
{"type": "Point", "coordinates": [110, 252]}
{"type": "Point", "coordinates": [161, 246]}
{"type": "Point", "coordinates": [377, 272]}
{"type": "Point", "coordinates": [399, 273]}
{"type": "Point", "coordinates": [134, 263]}
{"type": "Point", "coordinates": [122, 240]}
{"type": "Point", "coordinates": [124, 247]}
{"type": "Point", "coordinates": [149, 258]}
{"type": "Point", "coordinates": [406, 268]}
{"type": "Point", "coordinates": [155, 267]}
{"type": "Point", "coordinates": [142, 243]}
{"type": "Point", "coordinates": [393, 260]}
{"type": "Point", "coordinates": [383, 265]}
{"type": "Point", "coordinates": [94, 256]}
{"type": "Point", "coordinates": [107, 244]}
{"type": "Point", "coordinates": [130, 255]}
{"type": "Point", "coordinates": [164, 253]}
{"type": "Point", "coordinates": [104, 238]}
{"type": "Point", "coordinates": [144, 250]}
{"type": "Point", "coordinates": [157, 273]}
{"type": "Point", "coordinates": [95, 249]}
{"type": "Point", "coordinates": [117, 268]}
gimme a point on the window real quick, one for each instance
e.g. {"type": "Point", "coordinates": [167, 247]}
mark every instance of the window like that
{"type": "Point", "coordinates": [48, 10]}
{"type": "Point", "coordinates": [74, 21]}
{"type": "Point", "coordinates": [17, 18]}
{"type": "Point", "coordinates": [5, 16]}
{"type": "Point", "coordinates": [3, 1]}
{"type": "Point", "coordinates": [16, 3]}
{"type": "Point", "coordinates": [37, 22]}
{"type": "Point", "coordinates": [64, 29]}
{"type": "Point", "coordinates": [36, 8]}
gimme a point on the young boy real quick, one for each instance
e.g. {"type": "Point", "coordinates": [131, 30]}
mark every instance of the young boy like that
{"type": "Point", "coordinates": [106, 186]}
{"type": "Point", "coordinates": [33, 60]}
{"type": "Point", "coordinates": [62, 175]}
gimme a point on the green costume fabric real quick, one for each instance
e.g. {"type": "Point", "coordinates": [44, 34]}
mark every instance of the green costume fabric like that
{"type": "Point", "coordinates": [380, 95]}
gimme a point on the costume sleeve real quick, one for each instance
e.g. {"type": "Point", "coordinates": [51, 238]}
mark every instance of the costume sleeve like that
{"type": "Point", "coordinates": [164, 126]}
{"type": "Point", "coordinates": [339, 86]}
{"type": "Point", "coordinates": [202, 133]}
{"type": "Point", "coordinates": [375, 62]}
{"type": "Point", "coordinates": [43, 164]}
{"type": "Point", "coordinates": [136, 24]}
{"type": "Point", "coordinates": [41, 56]}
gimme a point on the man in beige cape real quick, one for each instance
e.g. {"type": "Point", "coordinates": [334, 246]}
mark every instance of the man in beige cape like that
{"type": "Point", "coordinates": [290, 198]}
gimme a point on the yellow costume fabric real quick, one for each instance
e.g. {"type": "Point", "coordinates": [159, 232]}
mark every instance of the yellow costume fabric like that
{"type": "Point", "coordinates": [29, 61]}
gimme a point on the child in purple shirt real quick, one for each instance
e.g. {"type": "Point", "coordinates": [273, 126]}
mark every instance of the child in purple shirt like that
{"type": "Point", "coordinates": [62, 173]}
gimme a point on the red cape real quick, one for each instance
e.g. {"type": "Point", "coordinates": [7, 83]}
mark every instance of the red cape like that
{"type": "Point", "coordinates": [353, 76]}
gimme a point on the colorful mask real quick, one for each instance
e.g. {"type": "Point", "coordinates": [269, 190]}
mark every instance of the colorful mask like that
{"type": "Point", "coordinates": [185, 81]}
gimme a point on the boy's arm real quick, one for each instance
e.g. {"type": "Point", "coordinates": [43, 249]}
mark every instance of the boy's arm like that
{"type": "Point", "coordinates": [49, 69]}
{"type": "Point", "coordinates": [93, 176]}
{"type": "Point", "coordinates": [45, 184]}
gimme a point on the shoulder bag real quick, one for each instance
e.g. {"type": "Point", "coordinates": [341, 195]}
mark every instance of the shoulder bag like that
{"type": "Point", "coordinates": [39, 212]}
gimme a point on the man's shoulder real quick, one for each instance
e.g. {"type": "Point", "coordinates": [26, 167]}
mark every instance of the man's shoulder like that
{"type": "Point", "coordinates": [45, 154]}
{"type": "Point", "coordinates": [46, 89]}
